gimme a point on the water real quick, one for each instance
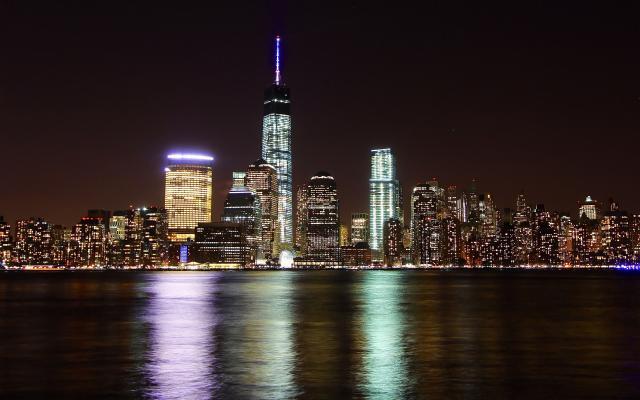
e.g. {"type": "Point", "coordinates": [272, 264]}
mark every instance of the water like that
{"type": "Point", "coordinates": [320, 334]}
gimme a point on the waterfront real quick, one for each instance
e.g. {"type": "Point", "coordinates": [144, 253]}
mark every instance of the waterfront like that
{"type": "Point", "coordinates": [320, 334]}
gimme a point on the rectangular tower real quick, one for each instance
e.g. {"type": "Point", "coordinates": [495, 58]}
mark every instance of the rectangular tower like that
{"type": "Point", "coordinates": [384, 197]}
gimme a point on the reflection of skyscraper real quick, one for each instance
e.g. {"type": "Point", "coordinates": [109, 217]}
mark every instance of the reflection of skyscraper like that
{"type": "Point", "coordinates": [384, 197]}
{"type": "Point", "coordinates": [276, 146]}
{"type": "Point", "coordinates": [187, 195]}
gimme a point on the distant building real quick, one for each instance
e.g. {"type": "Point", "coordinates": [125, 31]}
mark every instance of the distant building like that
{"type": "Point", "coordinates": [384, 198]}
{"type": "Point", "coordinates": [88, 241]}
{"type": "Point", "coordinates": [302, 200]}
{"type": "Point", "coordinates": [222, 243]}
{"type": "Point", "coordinates": [188, 193]}
{"type": "Point", "coordinates": [276, 146]}
{"type": "Point", "coordinates": [393, 248]}
{"type": "Point", "coordinates": [356, 255]}
{"type": "Point", "coordinates": [263, 179]}
{"type": "Point", "coordinates": [590, 208]}
{"type": "Point", "coordinates": [238, 179]}
{"type": "Point", "coordinates": [33, 243]}
{"type": "Point", "coordinates": [616, 238]}
{"type": "Point", "coordinates": [323, 223]}
{"type": "Point", "coordinates": [242, 206]}
{"type": "Point", "coordinates": [6, 242]}
{"type": "Point", "coordinates": [117, 225]}
{"type": "Point", "coordinates": [359, 228]}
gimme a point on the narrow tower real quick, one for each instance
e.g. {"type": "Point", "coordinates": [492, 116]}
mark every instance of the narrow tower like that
{"type": "Point", "coordinates": [276, 147]}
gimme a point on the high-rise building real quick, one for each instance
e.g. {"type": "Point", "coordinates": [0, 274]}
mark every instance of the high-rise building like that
{"type": "Point", "coordinates": [243, 207]}
{"type": "Point", "coordinates": [6, 243]}
{"type": "Point", "coordinates": [276, 146]}
{"type": "Point", "coordinates": [223, 243]}
{"type": "Point", "coordinates": [33, 242]}
{"type": "Point", "coordinates": [117, 225]}
{"type": "Point", "coordinates": [188, 193]}
{"type": "Point", "coordinates": [344, 235]}
{"type": "Point", "coordinates": [359, 228]}
{"type": "Point", "coordinates": [323, 223]}
{"type": "Point", "coordinates": [616, 241]}
{"type": "Point", "coordinates": [302, 199]}
{"type": "Point", "coordinates": [384, 197]}
{"type": "Point", "coordinates": [154, 245]}
{"type": "Point", "coordinates": [393, 247]}
{"type": "Point", "coordinates": [589, 207]}
{"type": "Point", "coordinates": [262, 177]}
{"type": "Point", "coordinates": [238, 178]}
{"type": "Point", "coordinates": [88, 243]}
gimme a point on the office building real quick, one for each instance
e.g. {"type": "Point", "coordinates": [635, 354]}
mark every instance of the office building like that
{"type": "Point", "coordinates": [384, 198]}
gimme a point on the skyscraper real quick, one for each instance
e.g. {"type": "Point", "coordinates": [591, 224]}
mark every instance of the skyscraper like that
{"type": "Point", "coordinates": [276, 146]}
{"type": "Point", "coordinates": [5, 242]}
{"type": "Point", "coordinates": [243, 207]}
{"type": "Point", "coordinates": [384, 197]}
{"type": "Point", "coordinates": [188, 194]}
{"type": "Point", "coordinates": [359, 228]}
{"type": "Point", "coordinates": [302, 198]}
{"type": "Point", "coordinates": [590, 208]}
{"type": "Point", "coordinates": [263, 179]}
{"type": "Point", "coordinates": [323, 223]}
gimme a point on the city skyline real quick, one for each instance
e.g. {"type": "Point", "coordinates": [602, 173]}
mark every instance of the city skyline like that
{"type": "Point", "coordinates": [528, 142]}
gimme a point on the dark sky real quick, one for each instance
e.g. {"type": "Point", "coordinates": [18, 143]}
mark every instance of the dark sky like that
{"type": "Point", "coordinates": [540, 96]}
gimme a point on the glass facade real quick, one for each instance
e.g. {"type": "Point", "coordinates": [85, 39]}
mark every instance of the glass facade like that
{"type": "Point", "coordinates": [276, 150]}
{"type": "Point", "coordinates": [188, 194]}
{"type": "Point", "coordinates": [384, 197]}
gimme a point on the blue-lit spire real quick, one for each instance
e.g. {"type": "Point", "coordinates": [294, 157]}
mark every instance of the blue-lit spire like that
{"type": "Point", "coordinates": [277, 59]}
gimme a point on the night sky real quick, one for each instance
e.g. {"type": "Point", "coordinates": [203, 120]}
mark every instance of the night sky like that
{"type": "Point", "coordinates": [543, 97]}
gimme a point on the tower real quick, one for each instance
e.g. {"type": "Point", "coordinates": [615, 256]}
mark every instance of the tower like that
{"type": "Point", "coordinates": [262, 178]}
{"type": "Point", "coordinates": [276, 146]}
{"type": "Point", "coordinates": [187, 194]}
{"type": "Point", "coordinates": [384, 197]}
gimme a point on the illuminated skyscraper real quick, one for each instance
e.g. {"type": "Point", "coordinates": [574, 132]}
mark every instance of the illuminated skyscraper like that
{"type": "Point", "coordinates": [33, 242]}
{"type": "Point", "coordinates": [5, 242]}
{"type": "Point", "coordinates": [263, 178]}
{"type": "Point", "coordinates": [188, 194]}
{"type": "Point", "coordinates": [384, 197]}
{"type": "Point", "coordinates": [359, 228]}
{"type": "Point", "coordinates": [243, 207]}
{"type": "Point", "coordinates": [302, 198]}
{"type": "Point", "coordinates": [590, 208]}
{"type": "Point", "coordinates": [276, 146]}
{"type": "Point", "coordinates": [323, 224]}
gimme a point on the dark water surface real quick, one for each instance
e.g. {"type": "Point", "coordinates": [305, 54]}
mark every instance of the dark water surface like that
{"type": "Point", "coordinates": [320, 334]}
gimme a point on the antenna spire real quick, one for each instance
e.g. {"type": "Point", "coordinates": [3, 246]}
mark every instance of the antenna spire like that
{"type": "Point", "coordinates": [278, 78]}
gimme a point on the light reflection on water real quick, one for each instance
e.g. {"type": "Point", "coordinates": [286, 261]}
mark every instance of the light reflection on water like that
{"type": "Point", "coordinates": [320, 334]}
{"type": "Point", "coordinates": [385, 366]}
{"type": "Point", "coordinates": [182, 316]}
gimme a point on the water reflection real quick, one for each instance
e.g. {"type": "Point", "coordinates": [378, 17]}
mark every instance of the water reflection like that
{"type": "Point", "coordinates": [182, 316]}
{"type": "Point", "coordinates": [385, 374]}
{"type": "Point", "coordinates": [255, 341]}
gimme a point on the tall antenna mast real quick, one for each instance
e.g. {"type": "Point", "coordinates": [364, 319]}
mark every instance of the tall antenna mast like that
{"type": "Point", "coordinates": [277, 59]}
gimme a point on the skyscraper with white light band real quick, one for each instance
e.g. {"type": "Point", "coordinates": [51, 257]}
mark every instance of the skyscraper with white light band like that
{"type": "Point", "coordinates": [276, 146]}
{"type": "Point", "coordinates": [188, 193]}
{"type": "Point", "coordinates": [384, 197]}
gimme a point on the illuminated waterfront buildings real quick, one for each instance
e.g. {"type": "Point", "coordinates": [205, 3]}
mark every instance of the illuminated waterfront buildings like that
{"type": "Point", "coordinates": [188, 193]}
{"type": "Point", "coordinates": [393, 247]}
{"type": "Point", "coordinates": [262, 177]}
{"type": "Point", "coordinates": [302, 199]}
{"type": "Point", "coordinates": [590, 208]}
{"type": "Point", "coordinates": [323, 223]}
{"type": "Point", "coordinates": [222, 243]}
{"type": "Point", "coordinates": [6, 242]}
{"type": "Point", "coordinates": [88, 240]}
{"type": "Point", "coordinates": [243, 207]}
{"type": "Point", "coordinates": [616, 240]}
{"type": "Point", "coordinates": [384, 197]}
{"type": "Point", "coordinates": [33, 242]}
{"type": "Point", "coordinates": [359, 228]}
{"type": "Point", "coordinates": [276, 147]}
